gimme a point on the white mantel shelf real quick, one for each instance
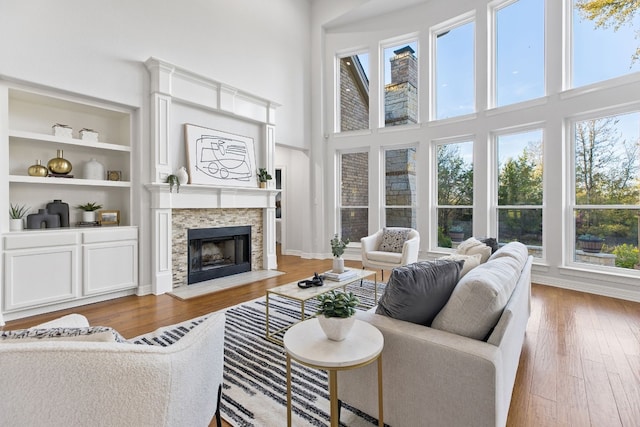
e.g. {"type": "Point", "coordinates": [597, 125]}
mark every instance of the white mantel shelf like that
{"type": "Point", "coordinates": [210, 197]}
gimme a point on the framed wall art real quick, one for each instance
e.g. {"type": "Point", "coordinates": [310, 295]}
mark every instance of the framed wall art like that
{"type": "Point", "coordinates": [220, 158]}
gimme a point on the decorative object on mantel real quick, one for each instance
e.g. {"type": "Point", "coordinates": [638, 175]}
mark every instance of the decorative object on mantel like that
{"type": "Point", "coordinates": [63, 131]}
{"type": "Point", "coordinates": [337, 248]}
{"type": "Point", "coordinates": [336, 313]}
{"type": "Point", "coordinates": [114, 175]}
{"type": "Point", "coordinates": [219, 158]}
{"type": "Point", "coordinates": [183, 175]}
{"type": "Point", "coordinates": [93, 169]}
{"type": "Point", "coordinates": [87, 134]}
{"type": "Point", "coordinates": [89, 211]}
{"type": "Point", "coordinates": [263, 177]}
{"type": "Point", "coordinates": [38, 169]}
{"type": "Point", "coordinates": [58, 207]}
{"type": "Point", "coordinates": [173, 180]}
{"type": "Point", "coordinates": [59, 165]}
{"type": "Point", "coordinates": [16, 215]}
{"type": "Point", "coordinates": [42, 219]}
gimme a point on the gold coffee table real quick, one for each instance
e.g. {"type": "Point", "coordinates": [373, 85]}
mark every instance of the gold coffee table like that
{"type": "Point", "coordinates": [293, 292]}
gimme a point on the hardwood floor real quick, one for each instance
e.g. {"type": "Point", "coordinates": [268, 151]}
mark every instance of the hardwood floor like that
{"type": "Point", "coordinates": [580, 364]}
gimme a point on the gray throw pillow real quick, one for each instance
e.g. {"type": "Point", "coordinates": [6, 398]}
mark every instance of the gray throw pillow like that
{"type": "Point", "coordinates": [417, 292]}
{"type": "Point", "coordinates": [393, 239]}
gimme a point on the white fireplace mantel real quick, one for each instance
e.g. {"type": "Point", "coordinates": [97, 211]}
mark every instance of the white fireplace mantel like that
{"type": "Point", "coordinates": [210, 197]}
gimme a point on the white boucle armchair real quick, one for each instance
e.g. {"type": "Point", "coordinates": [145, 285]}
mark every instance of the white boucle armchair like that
{"type": "Point", "coordinates": [79, 383]}
{"type": "Point", "coordinates": [374, 257]}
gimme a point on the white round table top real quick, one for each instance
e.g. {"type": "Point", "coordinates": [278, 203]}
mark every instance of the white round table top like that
{"type": "Point", "coordinates": [307, 343]}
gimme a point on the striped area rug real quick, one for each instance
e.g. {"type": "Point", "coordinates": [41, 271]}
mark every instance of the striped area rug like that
{"type": "Point", "coordinates": [255, 389]}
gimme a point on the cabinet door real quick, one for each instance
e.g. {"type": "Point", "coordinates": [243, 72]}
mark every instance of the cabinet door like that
{"type": "Point", "coordinates": [110, 267]}
{"type": "Point", "coordinates": [35, 277]}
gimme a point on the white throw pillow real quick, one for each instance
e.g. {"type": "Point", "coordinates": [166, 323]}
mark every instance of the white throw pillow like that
{"type": "Point", "coordinates": [393, 239]}
{"type": "Point", "coordinates": [473, 246]}
{"type": "Point", "coordinates": [470, 261]}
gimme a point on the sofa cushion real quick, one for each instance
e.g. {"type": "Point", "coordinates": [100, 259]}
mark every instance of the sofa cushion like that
{"type": "Point", "coordinates": [93, 333]}
{"type": "Point", "coordinates": [393, 239]}
{"type": "Point", "coordinates": [477, 301]}
{"type": "Point", "coordinates": [515, 250]}
{"type": "Point", "coordinates": [417, 292]}
{"type": "Point", "coordinates": [473, 246]}
{"type": "Point", "coordinates": [470, 261]}
{"type": "Point", "coordinates": [389, 257]}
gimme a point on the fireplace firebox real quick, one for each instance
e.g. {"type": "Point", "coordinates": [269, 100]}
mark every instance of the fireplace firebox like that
{"type": "Point", "coordinates": [218, 252]}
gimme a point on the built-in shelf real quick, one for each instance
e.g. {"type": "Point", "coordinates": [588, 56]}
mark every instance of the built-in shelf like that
{"type": "Point", "coordinates": [26, 179]}
{"type": "Point", "coordinates": [33, 136]}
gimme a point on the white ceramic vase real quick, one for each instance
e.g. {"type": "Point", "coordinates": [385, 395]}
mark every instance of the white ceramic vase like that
{"type": "Point", "coordinates": [16, 224]}
{"type": "Point", "coordinates": [338, 265]}
{"type": "Point", "coordinates": [336, 328]}
{"type": "Point", "coordinates": [93, 169]}
{"type": "Point", "coordinates": [183, 175]}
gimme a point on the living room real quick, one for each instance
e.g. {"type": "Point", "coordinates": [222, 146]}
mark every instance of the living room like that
{"type": "Point", "coordinates": [285, 53]}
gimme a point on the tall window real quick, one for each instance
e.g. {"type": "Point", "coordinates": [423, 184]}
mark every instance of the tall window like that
{"type": "Point", "coordinates": [519, 52]}
{"type": "Point", "coordinates": [520, 189]}
{"type": "Point", "coordinates": [354, 92]}
{"type": "Point", "coordinates": [354, 196]}
{"type": "Point", "coordinates": [607, 190]}
{"type": "Point", "coordinates": [401, 84]}
{"type": "Point", "coordinates": [455, 192]}
{"type": "Point", "coordinates": [455, 71]}
{"type": "Point", "coordinates": [400, 187]}
{"type": "Point", "coordinates": [601, 53]}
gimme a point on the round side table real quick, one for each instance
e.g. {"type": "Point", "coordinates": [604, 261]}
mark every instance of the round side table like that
{"type": "Point", "coordinates": [307, 344]}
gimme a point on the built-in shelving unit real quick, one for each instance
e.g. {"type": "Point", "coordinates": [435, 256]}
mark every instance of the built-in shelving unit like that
{"type": "Point", "coordinates": [49, 269]}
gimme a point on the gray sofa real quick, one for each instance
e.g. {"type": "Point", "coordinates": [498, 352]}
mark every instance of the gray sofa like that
{"type": "Point", "coordinates": [434, 377]}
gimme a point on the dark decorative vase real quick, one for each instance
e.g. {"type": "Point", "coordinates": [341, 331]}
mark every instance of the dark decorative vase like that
{"type": "Point", "coordinates": [58, 207]}
{"type": "Point", "coordinates": [35, 220]}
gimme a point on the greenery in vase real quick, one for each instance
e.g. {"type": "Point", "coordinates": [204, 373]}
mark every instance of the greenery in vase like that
{"type": "Point", "coordinates": [338, 245]}
{"type": "Point", "coordinates": [173, 180]}
{"type": "Point", "coordinates": [263, 175]}
{"type": "Point", "coordinates": [590, 238]}
{"type": "Point", "coordinates": [17, 211]}
{"type": "Point", "coordinates": [337, 304]}
{"type": "Point", "coordinates": [89, 207]}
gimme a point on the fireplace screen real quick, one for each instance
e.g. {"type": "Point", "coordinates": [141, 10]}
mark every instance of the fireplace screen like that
{"type": "Point", "coordinates": [218, 252]}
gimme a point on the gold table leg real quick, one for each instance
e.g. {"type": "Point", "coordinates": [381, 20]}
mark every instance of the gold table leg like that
{"type": "Point", "coordinates": [288, 390]}
{"type": "Point", "coordinates": [333, 396]}
{"type": "Point", "coordinates": [380, 403]}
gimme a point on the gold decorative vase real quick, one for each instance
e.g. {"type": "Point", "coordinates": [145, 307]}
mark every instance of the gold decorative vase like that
{"type": "Point", "coordinates": [37, 169]}
{"type": "Point", "coordinates": [59, 165]}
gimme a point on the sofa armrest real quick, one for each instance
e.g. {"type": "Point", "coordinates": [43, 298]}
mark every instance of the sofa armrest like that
{"type": "Point", "coordinates": [69, 321]}
{"type": "Point", "coordinates": [454, 379]}
{"type": "Point", "coordinates": [370, 243]}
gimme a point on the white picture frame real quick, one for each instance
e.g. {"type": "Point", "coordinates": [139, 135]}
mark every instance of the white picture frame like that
{"type": "Point", "coordinates": [220, 158]}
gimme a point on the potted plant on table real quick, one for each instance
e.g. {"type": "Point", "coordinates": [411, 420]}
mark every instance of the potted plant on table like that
{"type": "Point", "coordinates": [89, 211]}
{"type": "Point", "coordinates": [337, 248]}
{"type": "Point", "coordinates": [336, 313]}
{"type": "Point", "coordinates": [17, 214]}
{"type": "Point", "coordinates": [173, 180]}
{"type": "Point", "coordinates": [263, 177]}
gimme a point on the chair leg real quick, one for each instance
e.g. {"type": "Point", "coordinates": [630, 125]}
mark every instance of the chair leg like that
{"type": "Point", "coordinates": [218, 418]}
{"type": "Point", "coordinates": [361, 279]}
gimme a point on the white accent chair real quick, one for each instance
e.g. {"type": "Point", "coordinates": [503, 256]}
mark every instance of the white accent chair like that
{"type": "Point", "coordinates": [373, 257]}
{"type": "Point", "coordinates": [55, 382]}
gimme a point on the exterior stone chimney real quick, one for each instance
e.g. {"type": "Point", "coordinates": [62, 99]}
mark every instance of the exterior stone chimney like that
{"type": "Point", "coordinates": [401, 95]}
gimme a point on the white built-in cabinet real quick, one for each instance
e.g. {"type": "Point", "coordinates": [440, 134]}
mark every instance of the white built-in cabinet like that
{"type": "Point", "coordinates": [47, 269]}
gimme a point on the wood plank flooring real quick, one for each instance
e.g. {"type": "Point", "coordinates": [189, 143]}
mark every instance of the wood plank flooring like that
{"type": "Point", "coordinates": [580, 364]}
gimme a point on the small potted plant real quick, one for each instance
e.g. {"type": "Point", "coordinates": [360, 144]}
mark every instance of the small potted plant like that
{"type": "Point", "coordinates": [263, 177]}
{"type": "Point", "coordinates": [17, 214]}
{"type": "Point", "coordinates": [173, 180]}
{"type": "Point", "coordinates": [456, 233]}
{"type": "Point", "coordinates": [89, 211]}
{"type": "Point", "coordinates": [336, 313]}
{"type": "Point", "coordinates": [590, 243]}
{"type": "Point", "coordinates": [337, 248]}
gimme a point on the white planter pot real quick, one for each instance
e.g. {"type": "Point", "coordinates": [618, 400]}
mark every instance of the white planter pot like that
{"type": "Point", "coordinates": [338, 265]}
{"type": "Point", "coordinates": [183, 175]}
{"type": "Point", "coordinates": [88, 216]}
{"type": "Point", "coordinates": [16, 224]}
{"type": "Point", "coordinates": [336, 328]}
